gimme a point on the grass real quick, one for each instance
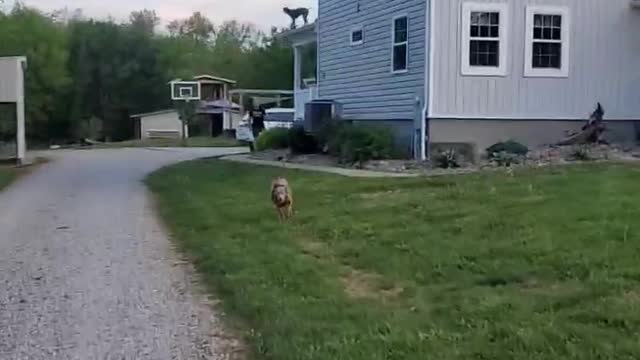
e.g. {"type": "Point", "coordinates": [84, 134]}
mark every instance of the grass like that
{"type": "Point", "coordinates": [539, 265]}
{"type": "Point", "coordinates": [201, 141]}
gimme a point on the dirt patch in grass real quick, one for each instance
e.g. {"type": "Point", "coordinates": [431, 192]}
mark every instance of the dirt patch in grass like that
{"type": "Point", "coordinates": [363, 285]}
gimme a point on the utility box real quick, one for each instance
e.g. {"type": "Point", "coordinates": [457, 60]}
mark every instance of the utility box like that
{"type": "Point", "coordinates": [320, 112]}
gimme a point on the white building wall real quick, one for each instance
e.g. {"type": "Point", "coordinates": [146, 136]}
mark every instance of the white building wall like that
{"type": "Point", "coordinates": [604, 66]}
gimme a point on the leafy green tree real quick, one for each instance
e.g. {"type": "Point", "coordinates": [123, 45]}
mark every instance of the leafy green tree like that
{"type": "Point", "coordinates": [28, 32]}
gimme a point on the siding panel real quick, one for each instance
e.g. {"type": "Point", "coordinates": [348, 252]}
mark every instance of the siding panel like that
{"type": "Point", "coordinates": [360, 76]}
{"type": "Point", "coordinates": [604, 56]}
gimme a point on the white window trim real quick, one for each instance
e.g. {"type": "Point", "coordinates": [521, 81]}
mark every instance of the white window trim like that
{"type": "Point", "coordinates": [467, 9]}
{"type": "Point", "coordinates": [529, 70]}
{"type": "Point", "coordinates": [353, 30]}
{"type": "Point", "coordinates": [394, 44]}
{"type": "Point", "coordinates": [183, 95]}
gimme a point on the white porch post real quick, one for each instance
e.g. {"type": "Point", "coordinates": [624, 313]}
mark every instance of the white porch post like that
{"type": "Point", "coordinates": [297, 68]}
{"type": "Point", "coordinates": [21, 138]}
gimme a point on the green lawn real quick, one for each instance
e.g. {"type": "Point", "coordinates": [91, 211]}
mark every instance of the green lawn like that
{"type": "Point", "coordinates": [541, 265]}
{"type": "Point", "coordinates": [201, 141]}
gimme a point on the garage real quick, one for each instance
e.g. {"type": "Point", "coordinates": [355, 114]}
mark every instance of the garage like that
{"type": "Point", "coordinates": [165, 124]}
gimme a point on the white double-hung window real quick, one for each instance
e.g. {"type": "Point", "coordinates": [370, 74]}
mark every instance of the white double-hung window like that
{"type": "Point", "coordinates": [484, 39]}
{"type": "Point", "coordinates": [547, 41]}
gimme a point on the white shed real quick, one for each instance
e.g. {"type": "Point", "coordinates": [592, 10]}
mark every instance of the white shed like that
{"type": "Point", "coordinates": [159, 125]}
{"type": "Point", "coordinates": [12, 92]}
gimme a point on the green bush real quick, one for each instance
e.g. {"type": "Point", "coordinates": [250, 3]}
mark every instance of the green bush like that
{"type": "Point", "coordinates": [300, 142]}
{"type": "Point", "coordinates": [276, 138]}
{"type": "Point", "coordinates": [510, 147]}
{"type": "Point", "coordinates": [358, 143]}
{"type": "Point", "coordinates": [447, 159]}
{"type": "Point", "coordinates": [505, 159]}
{"type": "Point", "coordinates": [581, 153]}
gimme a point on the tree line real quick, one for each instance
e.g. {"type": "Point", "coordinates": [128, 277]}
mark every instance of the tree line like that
{"type": "Point", "coordinates": [83, 71]}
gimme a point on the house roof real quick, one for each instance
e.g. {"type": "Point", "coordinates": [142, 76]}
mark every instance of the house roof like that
{"type": "Point", "coordinates": [159, 112]}
{"type": "Point", "coordinates": [297, 31]}
{"type": "Point", "coordinates": [213, 78]}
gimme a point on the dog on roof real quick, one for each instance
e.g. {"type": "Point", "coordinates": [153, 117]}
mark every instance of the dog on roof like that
{"type": "Point", "coordinates": [282, 198]}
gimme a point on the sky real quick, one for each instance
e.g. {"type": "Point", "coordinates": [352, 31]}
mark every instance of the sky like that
{"type": "Point", "coordinates": [262, 13]}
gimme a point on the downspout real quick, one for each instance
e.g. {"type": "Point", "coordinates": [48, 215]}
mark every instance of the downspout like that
{"type": "Point", "coordinates": [429, 71]}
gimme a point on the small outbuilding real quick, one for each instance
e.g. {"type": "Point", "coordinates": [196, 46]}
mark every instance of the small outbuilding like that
{"type": "Point", "coordinates": [165, 124]}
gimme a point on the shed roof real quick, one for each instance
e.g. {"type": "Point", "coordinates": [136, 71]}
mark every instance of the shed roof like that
{"type": "Point", "coordinates": [213, 78]}
{"type": "Point", "coordinates": [159, 112]}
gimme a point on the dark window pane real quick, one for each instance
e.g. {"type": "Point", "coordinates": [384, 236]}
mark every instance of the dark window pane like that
{"type": "Point", "coordinates": [537, 20]}
{"type": "Point", "coordinates": [537, 33]}
{"type": "Point", "coordinates": [400, 57]}
{"type": "Point", "coordinates": [400, 30]}
{"type": "Point", "coordinates": [475, 18]}
{"type": "Point", "coordinates": [547, 20]}
{"type": "Point", "coordinates": [556, 34]}
{"type": "Point", "coordinates": [357, 36]}
{"type": "Point", "coordinates": [484, 31]}
{"type": "Point", "coordinates": [546, 33]}
{"type": "Point", "coordinates": [475, 31]}
{"type": "Point", "coordinates": [495, 31]}
{"type": "Point", "coordinates": [547, 55]}
{"type": "Point", "coordinates": [401, 23]}
{"type": "Point", "coordinates": [495, 18]}
{"type": "Point", "coordinates": [557, 21]}
{"type": "Point", "coordinates": [484, 53]}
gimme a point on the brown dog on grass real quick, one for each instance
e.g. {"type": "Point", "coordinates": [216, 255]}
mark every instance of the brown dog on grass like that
{"type": "Point", "coordinates": [282, 198]}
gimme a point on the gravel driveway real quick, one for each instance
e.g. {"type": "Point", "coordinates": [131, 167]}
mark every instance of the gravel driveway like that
{"type": "Point", "coordinates": [86, 270]}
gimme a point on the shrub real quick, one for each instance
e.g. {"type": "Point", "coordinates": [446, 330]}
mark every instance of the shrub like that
{"type": "Point", "coordinates": [447, 159]}
{"type": "Point", "coordinates": [581, 153]}
{"type": "Point", "coordinates": [357, 143]}
{"type": "Point", "coordinates": [276, 138]}
{"type": "Point", "coordinates": [301, 142]}
{"type": "Point", "coordinates": [509, 147]}
{"type": "Point", "coordinates": [506, 159]}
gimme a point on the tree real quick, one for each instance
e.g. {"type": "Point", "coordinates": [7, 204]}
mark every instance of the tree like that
{"type": "Point", "coordinates": [144, 21]}
{"type": "Point", "coordinates": [197, 27]}
{"type": "Point", "coordinates": [28, 32]}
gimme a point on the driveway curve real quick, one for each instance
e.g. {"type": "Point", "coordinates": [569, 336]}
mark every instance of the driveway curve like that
{"type": "Point", "coordinates": [86, 270]}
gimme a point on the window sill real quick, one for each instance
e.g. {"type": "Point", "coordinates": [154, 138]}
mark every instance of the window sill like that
{"type": "Point", "coordinates": [481, 71]}
{"type": "Point", "coordinates": [529, 73]}
{"type": "Point", "coordinates": [357, 43]}
{"type": "Point", "coordinates": [399, 72]}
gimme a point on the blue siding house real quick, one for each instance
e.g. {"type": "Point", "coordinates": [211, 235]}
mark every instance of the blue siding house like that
{"type": "Point", "coordinates": [477, 71]}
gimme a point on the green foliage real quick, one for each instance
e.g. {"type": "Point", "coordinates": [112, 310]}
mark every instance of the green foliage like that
{"type": "Point", "coordinates": [300, 142]}
{"type": "Point", "coordinates": [355, 144]}
{"type": "Point", "coordinates": [509, 147]}
{"type": "Point", "coordinates": [80, 69]}
{"type": "Point", "coordinates": [25, 31]}
{"type": "Point", "coordinates": [448, 159]}
{"type": "Point", "coordinates": [272, 139]}
{"type": "Point", "coordinates": [506, 159]}
{"type": "Point", "coordinates": [582, 153]}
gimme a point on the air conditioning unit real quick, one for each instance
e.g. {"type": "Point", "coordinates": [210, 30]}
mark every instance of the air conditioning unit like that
{"type": "Point", "coordinates": [635, 4]}
{"type": "Point", "coordinates": [319, 112]}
